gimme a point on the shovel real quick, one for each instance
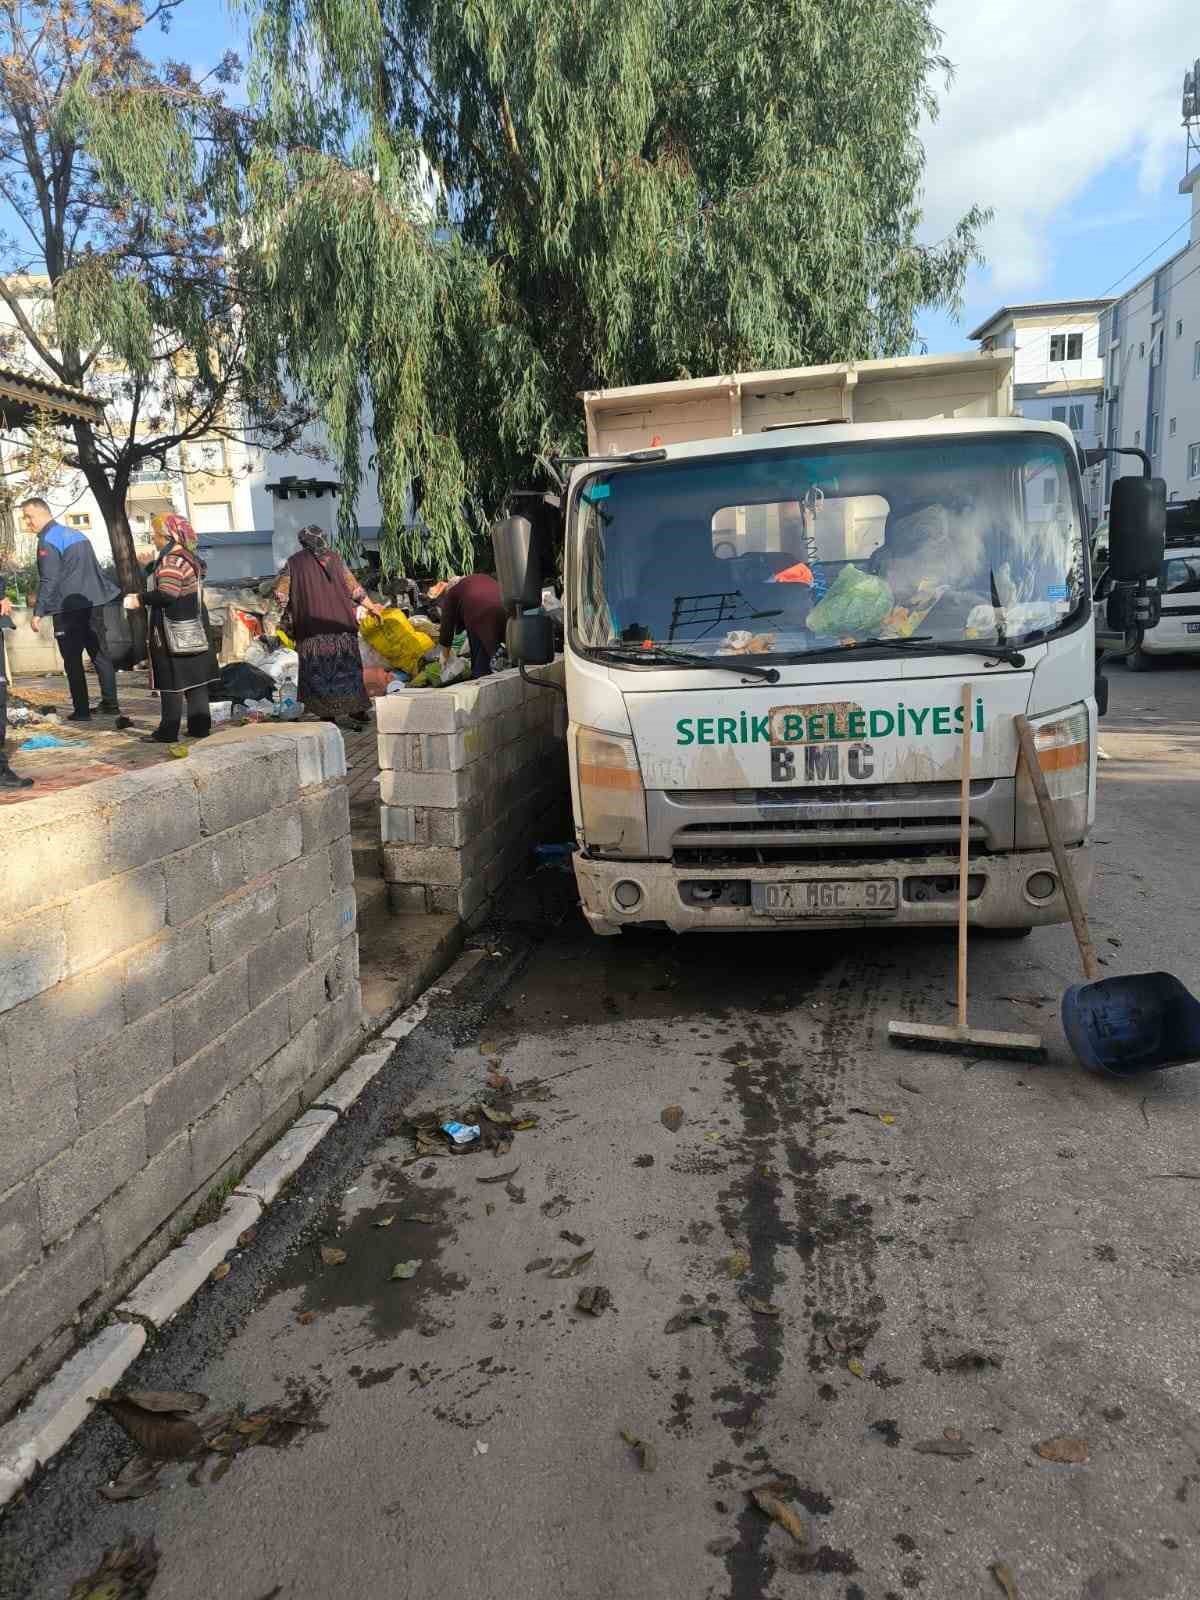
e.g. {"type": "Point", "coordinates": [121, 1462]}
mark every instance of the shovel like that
{"type": "Point", "coordinates": [1141, 1022]}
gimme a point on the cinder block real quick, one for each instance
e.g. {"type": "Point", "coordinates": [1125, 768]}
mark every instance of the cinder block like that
{"type": "Point", "coordinates": [20, 1231]}
{"type": "Point", "coordinates": [154, 974]}
{"type": "Point", "coordinates": [152, 813]}
{"type": "Point", "coordinates": [320, 751]}
{"type": "Point", "coordinates": [289, 1069]}
{"type": "Point", "coordinates": [341, 1094]}
{"type": "Point", "coordinates": [313, 989]}
{"type": "Point", "coordinates": [207, 1077]}
{"type": "Point", "coordinates": [123, 1068]}
{"type": "Point", "coordinates": [143, 1204]}
{"type": "Point", "coordinates": [240, 781]}
{"type": "Point", "coordinates": [329, 924]}
{"type": "Point", "coordinates": [271, 842]}
{"type": "Point", "coordinates": [225, 1129]}
{"type": "Point", "coordinates": [404, 863]}
{"type": "Point", "coordinates": [341, 862]}
{"type": "Point", "coordinates": [63, 1405]}
{"type": "Point", "coordinates": [114, 916]}
{"type": "Point", "coordinates": [199, 877]}
{"type": "Point", "coordinates": [325, 816]}
{"type": "Point", "coordinates": [264, 1180]}
{"type": "Point", "coordinates": [33, 955]}
{"type": "Point", "coordinates": [51, 849]}
{"type": "Point", "coordinates": [417, 711]}
{"type": "Point", "coordinates": [209, 1010]}
{"type": "Point", "coordinates": [338, 1024]}
{"type": "Point", "coordinates": [462, 900]}
{"type": "Point", "coordinates": [46, 1296]}
{"type": "Point", "coordinates": [38, 1121]}
{"type": "Point", "coordinates": [75, 1182]}
{"type": "Point", "coordinates": [176, 1278]}
{"type": "Point", "coordinates": [238, 926]}
{"type": "Point", "coordinates": [409, 897]}
{"type": "Point", "coordinates": [275, 962]}
{"type": "Point", "coordinates": [444, 790]}
{"type": "Point", "coordinates": [302, 885]}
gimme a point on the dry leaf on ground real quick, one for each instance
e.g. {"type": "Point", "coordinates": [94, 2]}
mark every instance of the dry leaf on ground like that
{"type": "Point", "coordinates": [643, 1449]}
{"type": "Point", "coordinates": [220, 1271]}
{"type": "Point", "coordinates": [1063, 1448]}
{"type": "Point", "coordinates": [166, 1399]}
{"type": "Point", "coordinates": [538, 1263]}
{"type": "Point", "coordinates": [405, 1269]}
{"type": "Point", "coordinates": [690, 1316]}
{"type": "Point", "coordinates": [332, 1256]}
{"type": "Point", "coordinates": [568, 1269]}
{"type": "Point", "coordinates": [136, 1479]}
{"type": "Point", "coordinates": [572, 1238]}
{"type": "Point", "coordinates": [126, 1572]}
{"type": "Point", "coordinates": [956, 1449]}
{"type": "Point", "coordinates": [161, 1435]}
{"type": "Point", "coordinates": [671, 1118]}
{"type": "Point", "coordinates": [594, 1300]}
{"type": "Point", "coordinates": [855, 1366]}
{"type": "Point", "coordinates": [1002, 1573]}
{"type": "Point", "coordinates": [499, 1177]}
{"type": "Point", "coordinates": [772, 1506]}
{"type": "Point", "coordinates": [384, 1222]}
{"type": "Point", "coordinates": [761, 1308]}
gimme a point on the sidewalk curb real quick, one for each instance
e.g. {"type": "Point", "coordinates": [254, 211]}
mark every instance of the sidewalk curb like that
{"type": "Point", "coordinates": [60, 1407]}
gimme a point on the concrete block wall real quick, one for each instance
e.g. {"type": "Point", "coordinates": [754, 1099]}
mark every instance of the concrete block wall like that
{"type": "Point", "coordinates": [471, 777]}
{"type": "Point", "coordinates": [178, 978]}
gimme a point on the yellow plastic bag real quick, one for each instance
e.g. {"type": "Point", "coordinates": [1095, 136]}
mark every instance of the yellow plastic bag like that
{"type": "Point", "coordinates": [397, 641]}
{"type": "Point", "coordinates": [288, 644]}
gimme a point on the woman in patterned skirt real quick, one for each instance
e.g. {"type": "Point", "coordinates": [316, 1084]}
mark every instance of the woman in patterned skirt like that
{"type": "Point", "coordinates": [319, 594]}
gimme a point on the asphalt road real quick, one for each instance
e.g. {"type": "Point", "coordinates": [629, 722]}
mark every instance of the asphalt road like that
{"type": "Point", "coordinates": [967, 1259]}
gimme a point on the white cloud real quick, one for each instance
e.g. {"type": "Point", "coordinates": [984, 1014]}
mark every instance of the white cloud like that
{"type": "Point", "coordinates": [1047, 95]}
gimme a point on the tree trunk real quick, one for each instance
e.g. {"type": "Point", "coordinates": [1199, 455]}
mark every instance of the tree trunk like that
{"type": "Point", "coordinates": [109, 495]}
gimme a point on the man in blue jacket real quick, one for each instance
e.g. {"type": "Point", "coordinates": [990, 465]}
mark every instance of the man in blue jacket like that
{"type": "Point", "coordinates": [71, 588]}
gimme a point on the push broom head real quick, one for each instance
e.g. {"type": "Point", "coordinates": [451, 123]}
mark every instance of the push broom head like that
{"type": "Point", "coordinates": [967, 1041]}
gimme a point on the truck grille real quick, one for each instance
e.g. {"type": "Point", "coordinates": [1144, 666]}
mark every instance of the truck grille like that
{"type": "Point", "coordinates": [763, 843]}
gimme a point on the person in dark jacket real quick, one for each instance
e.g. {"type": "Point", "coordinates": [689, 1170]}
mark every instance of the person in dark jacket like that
{"type": "Point", "coordinates": [8, 778]}
{"type": "Point", "coordinates": [179, 673]}
{"type": "Point", "coordinates": [72, 589]}
{"type": "Point", "coordinates": [476, 604]}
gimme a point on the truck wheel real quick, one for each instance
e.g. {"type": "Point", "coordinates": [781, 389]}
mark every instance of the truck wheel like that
{"type": "Point", "coordinates": [1006, 933]}
{"type": "Point", "coordinates": [1139, 661]}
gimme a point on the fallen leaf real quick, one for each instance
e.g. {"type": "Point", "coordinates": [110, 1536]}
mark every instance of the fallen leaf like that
{"type": "Point", "coordinates": [488, 1050]}
{"type": "Point", "coordinates": [136, 1479]}
{"type": "Point", "coordinates": [332, 1256]}
{"type": "Point", "coordinates": [855, 1366]}
{"type": "Point", "coordinates": [952, 1434]}
{"type": "Point", "coordinates": [772, 1506]}
{"type": "Point", "coordinates": [671, 1118]}
{"type": "Point", "coordinates": [126, 1572]}
{"type": "Point", "coordinates": [845, 1341]}
{"type": "Point", "coordinates": [489, 1210]}
{"type": "Point", "coordinates": [405, 1269]}
{"type": "Point", "coordinates": [643, 1449]}
{"type": "Point", "coordinates": [971, 1361]}
{"type": "Point", "coordinates": [525, 1124]}
{"type": "Point", "coordinates": [247, 1237]}
{"type": "Point", "coordinates": [594, 1300]}
{"type": "Point", "coordinates": [568, 1269]}
{"type": "Point", "coordinates": [384, 1222]}
{"type": "Point", "coordinates": [721, 1547]}
{"type": "Point", "coordinates": [481, 1449]}
{"type": "Point", "coordinates": [1002, 1572]}
{"type": "Point", "coordinates": [306, 1317]}
{"type": "Point", "coordinates": [555, 1206]}
{"type": "Point", "coordinates": [175, 1400]}
{"type": "Point", "coordinates": [499, 1177]}
{"type": "Point", "coordinates": [956, 1449]}
{"type": "Point", "coordinates": [221, 1270]}
{"type": "Point", "coordinates": [910, 1088]}
{"type": "Point", "coordinates": [737, 1265]}
{"type": "Point", "coordinates": [761, 1308]}
{"type": "Point", "coordinates": [499, 1081]}
{"type": "Point", "coordinates": [502, 1119]}
{"type": "Point", "coordinates": [538, 1263]}
{"type": "Point", "coordinates": [160, 1435]}
{"type": "Point", "coordinates": [886, 1118]}
{"type": "Point", "coordinates": [713, 1137]}
{"type": "Point", "coordinates": [572, 1238]}
{"type": "Point", "coordinates": [692, 1316]}
{"type": "Point", "coordinates": [515, 1194]}
{"type": "Point", "coordinates": [1063, 1448]}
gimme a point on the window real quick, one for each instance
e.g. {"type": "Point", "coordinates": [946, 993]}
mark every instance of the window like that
{"type": "Point", "coordinates": [1179, 328]}
{"type": "Point", "coordinates": [1171, 428]}
{"type": "Point", "coordinates": [1194, 461]}
{"type": "Point", "coordinates": [1181, 575]}
{"type": "Point", "coordinates": [1196, 359]}
{"type": "Point", "coordinates": [1075, 419]}
{"type": "Point", "coordinates": [1142, 350]}
{"type": "Point", "coordinates": [1074, 347]}
{"type": "Point", "coordinates": [1153, 445]}
{"type": "Point", "coordinates": [1156, 352]}
{"type": "Point", "coordinates": [1137, 438]}
{"type": "Point", "coordinates": [1058, 347]}
{"type": "Point", "coordinates": [1058, 413]}
{"type": "Point", "coordinates": [80, 519]}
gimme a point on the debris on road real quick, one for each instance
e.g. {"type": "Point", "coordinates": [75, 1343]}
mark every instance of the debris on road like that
{"type": "Point", "coordinates": [845, 1341]}
{"type": "Point", "coordinates": [910, 1088]}
{"type": "Point", "coordinates": [481, 1449]}
{"type": "Point", "coordinates": [405, 1269]}
{"type": "Point", "coordinates": [515, 1194]}
{"type": "Point", "coordinates": [1064, 1449]}
{"type": "Point", "coordinates": [594, 1300]}
{"type": "Point", "coordinates": [126, 1572]}
{"type": "Point", "coordinates": [576, 1239]}
{"type": "Point", "coordinates": [461, 1133]}
{"type": "Point", "coordinates": [855, 1367]}
{"type": "Point", "coordinates": [384, 1222]}
{"type": "Point", "coordinates": [568, 1269]}
{"type": "Point", "coordinates": [166, 1400]}
{"type": "Point", "coordinates": [555, 1206]}
{"type": "Point", "coordinates": [500, 1082]}
{"type": "Point", "coordinates": [220, 1271]}
{"type": "Point", "coordinates": [698, 1316]}
{"type": "Point", "coordinates": [956, 1449]}
{"type": "Point", "coordinates": [760, 1308]}
{"type": "Point", "coordinates": [162, 1435]}
{"type": "Point", "coordinates": [331, 1256]}
{"type": "Point", "coordinates": [538, 1263]}
{"type": "Point", "coordinates": [671, 1118]}
{"type": "Point", "coordinates": [645, 1452]}
{"type": "Point", "coordinates": [738, 1264]}
{"type": "Point", "coordinates": [772, 1506]}
{"type": "Point", "coordinates": [136, 1479]}
{"type": "Point", "coordinates": [1002, 1572]}
{"type": "Point", "coordinates": [972, 1360]}
{"type": "Point", "coordinates": [722, 1546]}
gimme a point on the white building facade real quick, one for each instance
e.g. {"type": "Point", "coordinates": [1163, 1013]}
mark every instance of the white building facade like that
{"type": "Point", "coordinates": [1150, 339]}
{"type": "Point", "coordinates": [1058, 367]}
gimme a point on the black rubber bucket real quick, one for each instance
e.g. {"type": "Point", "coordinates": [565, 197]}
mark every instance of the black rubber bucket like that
{"type": "Point", "coordinates": [1127, 1025]}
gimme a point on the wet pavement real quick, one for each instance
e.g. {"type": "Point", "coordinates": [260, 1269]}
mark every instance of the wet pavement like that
{"type": "Point", "coordinates": [966, 1259]}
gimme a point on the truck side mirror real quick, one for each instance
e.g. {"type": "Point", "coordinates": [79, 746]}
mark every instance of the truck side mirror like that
{"type": "Point", "coordinates": [518, 565]}
{"type": "Point", "coordinates": [529, 640]}
{"type": "Point", "coordinates": [1137, 529]}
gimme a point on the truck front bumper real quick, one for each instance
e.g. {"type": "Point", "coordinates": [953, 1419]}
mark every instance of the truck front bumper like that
{"type": "Point", "coordinates": [928, 893]}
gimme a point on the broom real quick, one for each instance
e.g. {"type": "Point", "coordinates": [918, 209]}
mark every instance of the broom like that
{"type": "Point", "coordinates": [931, 1035]}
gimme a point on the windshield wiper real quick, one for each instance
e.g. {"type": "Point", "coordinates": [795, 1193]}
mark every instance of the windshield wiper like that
{"type": "Point", "coordinates": [659, 655]}
{"type": "Point", "coordinates": [927, 645]}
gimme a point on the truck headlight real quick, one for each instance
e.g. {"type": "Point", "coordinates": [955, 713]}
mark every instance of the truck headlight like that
{"type": "Point", "coordinates": [1062, 740]}
{"type": "Point", "coordinates": [611, 797]}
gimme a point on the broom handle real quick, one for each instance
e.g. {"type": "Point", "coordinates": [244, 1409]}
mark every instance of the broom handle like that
{"type": "Point", "coordinates": [964, 852]}
{"type": "Point", "coordinates": [1091, 967]}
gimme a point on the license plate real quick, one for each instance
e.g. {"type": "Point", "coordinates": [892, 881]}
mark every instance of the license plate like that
{"type": "Point", "coordinates": [1193, 627]}
{"type": "Point", "coordinates": [824, 897]}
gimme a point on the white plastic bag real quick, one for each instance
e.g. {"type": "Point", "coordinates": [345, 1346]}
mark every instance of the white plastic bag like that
{"type": "Point", "coordinates": [454, 669]}
{"type": "Point", "coordinates": [220, 711]}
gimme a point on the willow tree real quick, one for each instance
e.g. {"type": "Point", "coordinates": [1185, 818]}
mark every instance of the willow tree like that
{"type": "Point", "coordinates": [626, 191]}
{"type": "Point", "coordinates": [126, 268]}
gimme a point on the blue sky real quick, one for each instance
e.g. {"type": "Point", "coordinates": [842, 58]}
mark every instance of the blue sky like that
{"type": "Point", "coordinates": [1063, 116]}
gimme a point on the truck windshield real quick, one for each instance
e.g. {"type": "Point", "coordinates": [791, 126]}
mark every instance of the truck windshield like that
{"type": "Point", "coordinates": [782, 552]}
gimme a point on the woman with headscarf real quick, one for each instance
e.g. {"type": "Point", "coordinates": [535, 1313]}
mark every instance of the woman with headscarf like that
{"type": "Point", "coordinates": [319, 595]}
{"type": "Point", "coordinates": [182, 661]}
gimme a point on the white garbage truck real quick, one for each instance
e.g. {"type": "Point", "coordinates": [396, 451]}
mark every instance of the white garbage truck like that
{"type": "Point", "coordinates": [775, 587]}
